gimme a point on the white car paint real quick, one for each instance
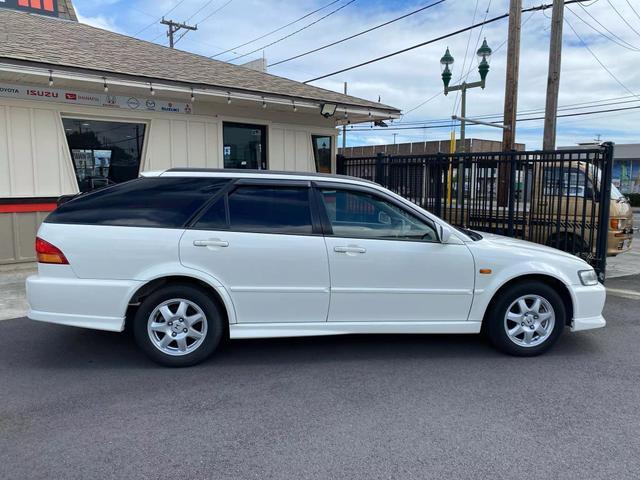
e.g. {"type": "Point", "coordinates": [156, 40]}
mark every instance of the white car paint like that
{"type": "Point", "coordinates": [286, 285]}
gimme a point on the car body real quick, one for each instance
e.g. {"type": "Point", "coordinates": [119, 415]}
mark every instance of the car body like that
{"type": "Point", "coordinates": [285, 255]}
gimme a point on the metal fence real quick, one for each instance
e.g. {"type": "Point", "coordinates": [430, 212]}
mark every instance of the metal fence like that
{"type": "Point", "coordinates": [555, 198]}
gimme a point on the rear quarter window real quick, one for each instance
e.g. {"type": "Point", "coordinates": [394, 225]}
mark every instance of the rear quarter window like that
{"type": "Point", "coordinates": [166, 202]}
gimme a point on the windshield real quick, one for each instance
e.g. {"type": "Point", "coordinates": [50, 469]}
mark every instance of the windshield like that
{"type": "Point", "coordinates": [615, 193]}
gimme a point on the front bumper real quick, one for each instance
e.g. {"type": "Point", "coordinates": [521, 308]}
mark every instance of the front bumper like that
{"type": "Point", "coordinates": [86, 303]}
{"type": "Point", "coordinates": [588, 303]}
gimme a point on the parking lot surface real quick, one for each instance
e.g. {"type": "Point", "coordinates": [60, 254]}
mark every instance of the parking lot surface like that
{"type": "Point", "coordinates": [85, 404]}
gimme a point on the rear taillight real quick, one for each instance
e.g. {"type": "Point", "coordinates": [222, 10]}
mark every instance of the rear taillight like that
{"type": "Point", "coordinates": [48, 253]}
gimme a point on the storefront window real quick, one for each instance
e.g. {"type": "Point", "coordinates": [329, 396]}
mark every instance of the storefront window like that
{"type": "Point", "coordinates": [322, 152]}
{"type": "Point", "coordinates": [104, 153]}
{"type": "Point", "coordinates": [245, 146]}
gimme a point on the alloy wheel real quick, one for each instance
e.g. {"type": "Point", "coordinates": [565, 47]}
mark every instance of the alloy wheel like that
{"type": "Point", "coordinates": [177, 327]}
{"type": "Point", "coordinates": [529, 320]}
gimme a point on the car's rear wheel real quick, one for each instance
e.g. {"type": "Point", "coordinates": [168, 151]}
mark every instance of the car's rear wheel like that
{"type": "Point", "coordinates": [178, 325]}
{"type": "Point", "coordinates": [526, 319]}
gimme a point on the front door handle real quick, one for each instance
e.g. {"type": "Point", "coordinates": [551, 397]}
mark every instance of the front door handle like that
{"type": "Point", "coordinates": [349, 249]}
{"type": "Point", "coordinates": [211, 242]}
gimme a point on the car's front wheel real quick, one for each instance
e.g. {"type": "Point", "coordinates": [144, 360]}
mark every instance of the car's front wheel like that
{"type": "Point", "coordinates": [178, 325]}
{"type": "Point", "coordinates": [526, 319]}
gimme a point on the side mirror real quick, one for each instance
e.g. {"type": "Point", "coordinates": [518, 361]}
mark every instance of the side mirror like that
{"type": "Point", "coordinates": [444, 233]}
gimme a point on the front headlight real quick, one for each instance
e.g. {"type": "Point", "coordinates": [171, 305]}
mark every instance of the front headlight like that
{"type": "Point", "coordinates": [588, 277]}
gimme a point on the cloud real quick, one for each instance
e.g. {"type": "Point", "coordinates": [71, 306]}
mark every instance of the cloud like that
{"type": "Point", "coordinates": [99, 21]}
{"type": "Point", "coordinates": [409, 79]}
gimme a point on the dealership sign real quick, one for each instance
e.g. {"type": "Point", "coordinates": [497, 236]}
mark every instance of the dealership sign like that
{"type": "Point", "coordinates": [43, 7]}
{"type": "Point", "coordinates": [75, 97]}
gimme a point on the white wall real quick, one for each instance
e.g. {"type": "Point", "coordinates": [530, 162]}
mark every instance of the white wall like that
{"type": "Point", "coordinates": [35, 160]}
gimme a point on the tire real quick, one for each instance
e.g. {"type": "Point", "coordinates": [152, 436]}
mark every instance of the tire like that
{"type": "Point", "coordinates": [178, 325]}
{"type": "Point", "coordinates": [533, 331]}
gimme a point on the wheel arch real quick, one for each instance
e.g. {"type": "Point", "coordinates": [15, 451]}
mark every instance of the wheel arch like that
{"type": "Point", "coordinates": [554, 282]}
{"type": "Point", "coordinates": [218, 294]}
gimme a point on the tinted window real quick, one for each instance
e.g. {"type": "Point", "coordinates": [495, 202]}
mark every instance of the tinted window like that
{"type": "Point", "coordinates": [147, 202]}
{"type": "Point", "coordinates": [215, 217]}
{"type": "Point", "coordinates": [263, 209]}
{"type": "Point", "coordinates": [362, 215]}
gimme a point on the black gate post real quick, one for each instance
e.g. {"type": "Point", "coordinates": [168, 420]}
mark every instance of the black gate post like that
{"type": "Point", "coordinates": [340, 167]}
{"type": "Point", "coordinates": [379, 173]}
{"type": "Point", "coordinates": [512, 192]}
{"type": "Point", "coordinates": [437, 204]}
{"type": "Point", "coordinates": [604, 210]}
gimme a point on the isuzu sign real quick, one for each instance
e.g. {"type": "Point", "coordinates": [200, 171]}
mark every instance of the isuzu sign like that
{"type": "Point", "coordinates": [75, 97]}
{"type": "Point", "coordinates": [44, 7]}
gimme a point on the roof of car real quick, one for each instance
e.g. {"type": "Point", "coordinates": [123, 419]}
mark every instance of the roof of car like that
{"type": "Point", "coordinates": [249, 173]}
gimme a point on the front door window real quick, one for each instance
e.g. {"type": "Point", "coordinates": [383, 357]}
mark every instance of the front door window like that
{"type": "Point", "coordinates": [103, 152]}
{"type": "Point", "coordinates": [245, 146]}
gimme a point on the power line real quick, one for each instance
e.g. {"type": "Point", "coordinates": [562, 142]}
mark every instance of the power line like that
{"type": "Point", "coordinates": [205, 5]}
{"type": "Point", "coordinates": [623, 19]}
{"type": "Point", "coordinates": [215, 11]}
{"type": "Point", "coordinates": [628, 46]}
{"type": "Point", "coordinates": [274, 31]}
{"type": "Point", "coordinates": [159, 18]}
{"type": "Point", "coordinates": [404, 50]}
{"type": "Point", "coordinates": [466, 75]}
{"type": "Point", "coordinates": [356, 34]}
{"type": "Point", "coordinates": [519, 120]}
{"type": "Point", "coordinates": [598, 60]}
{"type": "Point", "coordinates": [574, 106]}
{"type": "Point", "coordinates": [295, 32]}
{"type": "Point", "coordinates": [604, 27]}
{"type": "Point", "coordinates": [634, 10]}
{"type": "Point", "coordinates": [442, 37]}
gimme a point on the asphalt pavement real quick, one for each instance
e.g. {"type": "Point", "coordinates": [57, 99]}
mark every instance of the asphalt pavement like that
{"type": "Point", "coordinates": [85, 404]}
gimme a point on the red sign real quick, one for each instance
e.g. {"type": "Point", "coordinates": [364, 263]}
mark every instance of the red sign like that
{"type": "Point", "coordinates": [46, 7]}
{"type": "Point", "coordinates": [70, 96]}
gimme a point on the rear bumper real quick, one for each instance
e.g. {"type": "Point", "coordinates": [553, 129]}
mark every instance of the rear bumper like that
{"type": "Point", "coordinates": [588, 304]}
{"type": "Point", "coordinates": [97, 304]}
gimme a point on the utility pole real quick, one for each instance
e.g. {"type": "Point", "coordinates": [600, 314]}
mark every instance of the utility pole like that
{"type": "Point", "coordinates": [553, 78]}
{"type": "Point", "coordinates": [344, 127]}
{"type": "Point", "coordinates": [510, 97]}
{"type": "Point", "coordinates": [173, 27]}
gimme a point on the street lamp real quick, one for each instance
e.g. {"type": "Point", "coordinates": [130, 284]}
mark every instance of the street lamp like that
{"type": "Point", "coordinates": [445, 61]}
{"type": "Point", "coordinates": [484, 53]}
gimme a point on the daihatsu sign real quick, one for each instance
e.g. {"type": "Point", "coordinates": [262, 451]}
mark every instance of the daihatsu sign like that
{"type": "Point", "coordinates": [44, 7]}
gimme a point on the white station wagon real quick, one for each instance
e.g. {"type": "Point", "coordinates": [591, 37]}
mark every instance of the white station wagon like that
{"type": "Point", "coordinates": [186, 257]}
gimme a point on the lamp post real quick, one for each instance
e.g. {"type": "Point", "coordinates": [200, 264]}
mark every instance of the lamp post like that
{"type": "Point", "coordinates": [484, 53]}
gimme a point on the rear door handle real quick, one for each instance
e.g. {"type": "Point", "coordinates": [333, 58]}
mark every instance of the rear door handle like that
{"type": "Point", "coordinates": [349, 249]}
{"type": "Point", "coordinates": [211, 242]}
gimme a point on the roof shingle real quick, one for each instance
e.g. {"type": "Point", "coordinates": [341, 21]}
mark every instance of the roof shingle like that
{"type": "Point", "coordinates": [44, 40]}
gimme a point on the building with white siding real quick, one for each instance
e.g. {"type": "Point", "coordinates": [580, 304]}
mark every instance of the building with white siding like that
{"type": "Point", "coordinates": [82, 107]}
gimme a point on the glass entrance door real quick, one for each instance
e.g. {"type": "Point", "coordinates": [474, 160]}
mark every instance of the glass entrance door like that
{"type": "Point", "coordinates": [245, 146]}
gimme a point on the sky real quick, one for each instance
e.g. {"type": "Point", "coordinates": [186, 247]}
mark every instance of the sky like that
{"type": "Point", "coordinates": [599, 58]}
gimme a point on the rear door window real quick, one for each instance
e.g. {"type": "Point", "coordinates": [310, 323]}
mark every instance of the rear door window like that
{"type": "Point", "coordinates": [261, 209]}
{"type": "Point", "coordinates": [166, 202]}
